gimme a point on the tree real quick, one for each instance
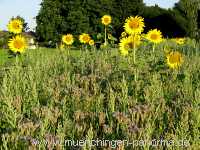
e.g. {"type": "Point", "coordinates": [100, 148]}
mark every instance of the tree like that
{"type": "Point", "coordinates": [57, 17]}
{"type": "Point", "coordinates": [122, 9]}
{"type": "Point", "coordinates": [166, 20]}
{"type": "Point", "coordinates": [49, 21]}
{"type": "Point", "coordinates": [189, 10]}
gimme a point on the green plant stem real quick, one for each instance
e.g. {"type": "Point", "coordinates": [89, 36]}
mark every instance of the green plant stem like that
{"type": "Point", "coordinates": [134, 50]}
{"type": "Point", "coordinates": [153, 48]}
{"type": "Point", "coordinates": [17, 59]}
{"type": "Point", "coordinates": [105, 36]}
{"type": "Point", "coordinates": [154, 52]}
{"type": "Point", "coordinates": [134, 58]}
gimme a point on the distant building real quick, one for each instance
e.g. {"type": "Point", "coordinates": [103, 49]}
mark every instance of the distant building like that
{"type": "Point", "coordinates": [30, 36]}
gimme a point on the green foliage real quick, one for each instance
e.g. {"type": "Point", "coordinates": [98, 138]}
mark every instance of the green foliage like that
{"type": "Point", "coordinates": [4, 36]}
{"type": "Point", "coordinates": [49, 95]}
{"type": "Point", "coordinates": [171, 22]}
{"type": "Point", "coordinates": [188, 10]}
{"type": "Point", "coordinates": [58, 17]}
{"type": "Point", "coordinates": [48, 21]}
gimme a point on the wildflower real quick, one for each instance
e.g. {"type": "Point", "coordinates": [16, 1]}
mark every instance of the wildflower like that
{"type": "Point", "coordinates": [107, 129]}
{"type": "Point", "coordinates": [132, 128]}
{"type": "Point", "coordinates": [102, 117]}
{"type": "Point", "coordinates": [121, 117]}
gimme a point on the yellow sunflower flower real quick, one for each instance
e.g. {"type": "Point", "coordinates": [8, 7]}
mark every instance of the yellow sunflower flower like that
{"type": "Point", "coordinates": [106, 20]}
{"type": "Point", "coordinates": [134, 25]}
{"type": "Point", "coordinates": [110, 36]}
{"type": "Point", "coordinates": [15, 26]}
{"type": "Point", "coordinates": [129, 43]}
{"type": "Point", "coordinates": [123, 34]}
{"type": "Point", "coordinates": [154, 36]}
{"type": "Point", "coordinates": [17, 44]}
{"type": "Point", "coordinates": [68, 39]}
{"type": "Point", "coordinates": [174, 60]}
{"type": "Point", "coordinates": [180, 41]}
{"type": "Point", "coordinates": [61, 46]}
{"type": "Point", "coordinates": [91, 42]}
{"type": "Point", "coordinates": [84, 38]}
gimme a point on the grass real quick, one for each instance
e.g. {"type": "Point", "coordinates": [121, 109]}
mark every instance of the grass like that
{"type": "Point", "coordinates": [50, 95]}
{"type": "Point", "coordinates": [3, 57]}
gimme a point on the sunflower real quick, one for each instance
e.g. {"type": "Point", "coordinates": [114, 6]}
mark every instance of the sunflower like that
{"type": "Point", "coordinates": [123, 46]}
{"type": "Point", "coordinates": [106, 20]}
{"type": "Point", "coordinates": [84, 38]}
{"type": "Point", "coordinates": [17, 44]}
{"type": "Point", "coordinates": [174, 59]}
{"type": "Point", "coordinates": [129, 43]}
{"type": "Point", "coordinates": [134, 25]}
{"type": "Point", "coordinates": [123, 35]}
{"type": "Point", "coordinates": [110, 36]}
{"type": "Point", "coordinates": [91, 42]}
{"type": "Point", "coordinates": [154, 36]}
{"type": "Point", "coordinates": [62, 46]}
{"type": "Point", "coordinates": [68, 39]}
{"type": "Point", "coordinates": [180, 41]}
{"type": "Point", "coordinates": [15, 26]}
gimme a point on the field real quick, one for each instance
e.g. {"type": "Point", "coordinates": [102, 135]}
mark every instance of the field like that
{"type": "Point", "coordinates": [50, 95]}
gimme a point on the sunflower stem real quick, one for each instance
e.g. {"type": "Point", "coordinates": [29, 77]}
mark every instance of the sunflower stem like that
{"type": "Point", "coordinates": [134, 53]}
{"type": "Point", "coordinates": [134, 50]}
{"type": "Point", "coordinates": [105, 36]}
{"type": "Point", "coordinates": [134, 57]}
{"type": "Point", "coordinates": [154, 52]}
{"type": "Point", "coordinates": [68, 50]}
{"type": "Point", "coordinates": [153, 48]}
{"type": "Point", "coordinates": [17, 59]}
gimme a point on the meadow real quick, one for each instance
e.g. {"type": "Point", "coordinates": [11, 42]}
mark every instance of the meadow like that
{"type": "Point", "coordinates": [139, 92]}
{"type": "Point", "coordinates": [50, 95]}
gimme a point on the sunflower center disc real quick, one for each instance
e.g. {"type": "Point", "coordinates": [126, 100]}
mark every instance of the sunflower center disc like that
{"type": "Point", "coordinates": [68, 39]}
{"type": "Point", "coordinates": [18, 44]}
{"type": "Point", "coordinates": [174, 59]}
{"type": "Point", "coordinates": [133, 24]}
{"type": "Point", "coordinates": [16, 26]}
{"type": "Point", "coordinates": [154, 36]}
{"type": "Point", "coordinates": [106, 20]}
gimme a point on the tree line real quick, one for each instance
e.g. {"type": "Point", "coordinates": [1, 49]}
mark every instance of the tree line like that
{"type": "Point", "coordinates": [57, 17]}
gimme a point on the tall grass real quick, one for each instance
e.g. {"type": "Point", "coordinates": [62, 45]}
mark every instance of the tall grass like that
{"type": "Point", "coordinates": [55, 96]}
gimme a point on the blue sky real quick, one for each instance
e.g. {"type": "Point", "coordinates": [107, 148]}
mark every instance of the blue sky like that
{"type": "Point", "coordinates": [28, 9]}
{"type": "Point", "coordinates": [161, 3]}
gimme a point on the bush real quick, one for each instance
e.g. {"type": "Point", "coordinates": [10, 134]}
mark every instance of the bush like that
{"type": "Point", "coordinates": [4, 36]}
